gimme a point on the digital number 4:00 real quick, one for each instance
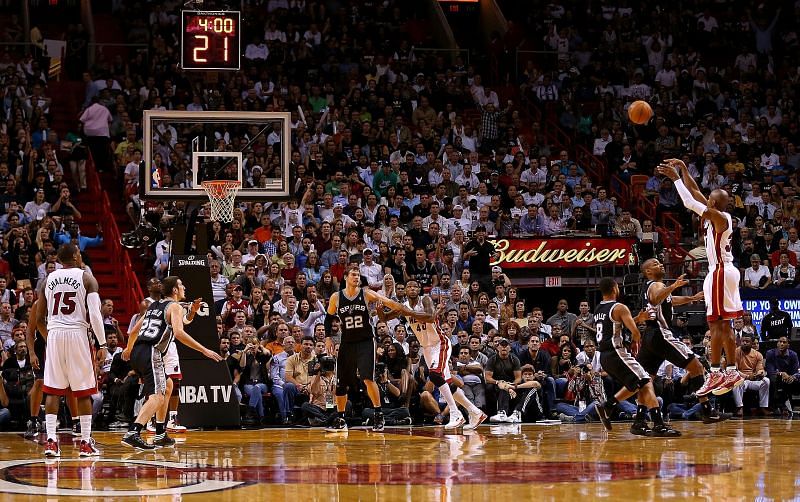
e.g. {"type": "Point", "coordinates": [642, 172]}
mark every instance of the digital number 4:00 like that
{"type": "Point", "coordinates": [217, 24]}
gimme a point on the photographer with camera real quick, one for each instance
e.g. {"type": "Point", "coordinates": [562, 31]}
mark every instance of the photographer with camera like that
{"type": "Point", "coordinates": [394, 412]}
{"type": "Point", "coordinates": [254, 364]}
{"type": "Point", "coordinates": [321, 406]}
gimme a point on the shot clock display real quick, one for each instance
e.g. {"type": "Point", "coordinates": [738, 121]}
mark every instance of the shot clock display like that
{"type": "Point", "coordinates": [211, 40]}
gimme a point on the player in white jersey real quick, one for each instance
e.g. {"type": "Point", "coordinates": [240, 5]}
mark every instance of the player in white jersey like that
{"type": "Point", "coordinates": [73, 304]}
{"type": "Point", "coordinates": [721, 285]}
{"type": "Point", "coordinates": [436, 350]}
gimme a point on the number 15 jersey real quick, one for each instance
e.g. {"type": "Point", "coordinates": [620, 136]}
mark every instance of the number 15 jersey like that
{"type": "Point", "coordinates": [66, 299]}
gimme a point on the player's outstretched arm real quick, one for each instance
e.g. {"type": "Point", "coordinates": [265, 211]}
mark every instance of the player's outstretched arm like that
{"type": "Point", "coordinates": [175, 314]}
{"type": "Point", "coordinates": [694, 201]}
{"type": "Point", "coordinates": [374, 296]}
{"type": "Point", "coordinates": [659, 292]}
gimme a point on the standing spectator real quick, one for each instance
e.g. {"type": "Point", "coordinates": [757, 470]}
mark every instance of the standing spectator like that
{"type": "Point", "coordinates": [776, 323]}
{"type": "Point", "coordinates": [95, 120]}
{"type": "Point", "coordinates": [478, 253]}
{"type": "Point", "coordinates": [563, 318]}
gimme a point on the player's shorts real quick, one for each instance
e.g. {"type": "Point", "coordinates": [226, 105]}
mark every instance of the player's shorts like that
{"type": "Point", "coordinates": [356, 361]}
{"type": "Point", "coordinates": [437, 358]}
{"type": "Point", "coordinates": [721, 289]}
{"type": "Point", "coordinates": [620, 364]}
{"type": "Point", "coordinates": [148, 363]}
{"type": "Point", "coordinates": [69, 363]}
{"type": "Point", "coordinates": [658, 347]}
{"type": "Point", "coordinates": [172, 364]}
{"type": "Point", "coordinates": [40, 349]}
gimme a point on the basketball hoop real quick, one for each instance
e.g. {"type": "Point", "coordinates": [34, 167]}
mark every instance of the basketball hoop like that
{"type": "Point", "coordinates": [222, 194]}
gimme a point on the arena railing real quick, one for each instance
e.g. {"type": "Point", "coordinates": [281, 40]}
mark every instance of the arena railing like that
{"type": "Point", "coordinates": [129, 285]}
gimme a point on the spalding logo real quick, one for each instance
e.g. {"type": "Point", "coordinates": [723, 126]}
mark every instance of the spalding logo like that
{"type": "Point", "coordinates": [191, 260]}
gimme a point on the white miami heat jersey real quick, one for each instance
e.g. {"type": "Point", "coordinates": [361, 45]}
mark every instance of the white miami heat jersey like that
{"type": "Point", "coordinates": [718, 246]}
{"type": "Point", "coordinates": [427, 333]}
{"type": "Point", "coordinates": [66, 299]}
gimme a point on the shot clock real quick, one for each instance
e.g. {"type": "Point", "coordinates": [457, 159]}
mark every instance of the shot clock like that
{"type": "Point", "coordinates": [211, 40]}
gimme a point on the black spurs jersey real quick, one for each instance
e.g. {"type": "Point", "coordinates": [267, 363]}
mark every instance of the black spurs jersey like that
{"type": "Point", "coordinates": [609, 334]}
{"type": "Point", "coordinates": [663, 311]}
{"type": "Point", "coordinates": [155, 329]}
{"type": "Point", "coordinates": [355, 318]}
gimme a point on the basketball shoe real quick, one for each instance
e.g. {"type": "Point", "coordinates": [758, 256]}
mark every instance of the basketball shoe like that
{"type": "Point", "coordinates": [713, 380]}
{"type": "Point", "coordinates": [174, 426]}
{"type": "Point", "coordinates": [732, 380]}
{"type": "Point", "coordinates": [475, 420]}
{"type": "Point", "coordinates": [89, 449]}
{"type": "Point", "coordinates": [339, 424]}
{"type": "Point", "coordinates": [51, 449]}
{"type": "Point", "coordinates": [456, 421]}
{"type": "Point", "coordinates": [134, 440]}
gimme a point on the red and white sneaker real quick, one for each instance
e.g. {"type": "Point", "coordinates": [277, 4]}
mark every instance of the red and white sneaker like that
{"type": "Point", "coordinates": [51, 449]}
{"type": "Point", "coordinates": [713, 380]}
{"type": "Point", "coordinates": [89, 449]}
{"type": "Point", "coordinates": [174, 427]}
{"type": "Point", "coordinates": [732, 380]}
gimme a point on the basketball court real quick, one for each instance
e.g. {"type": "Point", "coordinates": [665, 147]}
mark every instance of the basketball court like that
{"type": "Point", "coordinates": [734, 460]}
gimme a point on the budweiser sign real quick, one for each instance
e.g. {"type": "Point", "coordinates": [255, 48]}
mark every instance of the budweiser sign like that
{"type": "Point", "coordinates": [562, 253]}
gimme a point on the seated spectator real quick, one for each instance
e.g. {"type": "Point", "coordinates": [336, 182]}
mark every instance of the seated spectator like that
{"type": "Point", "coordinates": [501, 374]}
{"type": "Point", "coordinates": [757, 276]}
{"type": "Point", "coordinates": [783, 275]}
{"type": "Point", "coordinates": [783, 370]}
{"type": "Point", "coordinates": [750, 365]}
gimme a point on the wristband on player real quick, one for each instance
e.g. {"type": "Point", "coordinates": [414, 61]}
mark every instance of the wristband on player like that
{"type": "Point", "coordinates": [103, 346]}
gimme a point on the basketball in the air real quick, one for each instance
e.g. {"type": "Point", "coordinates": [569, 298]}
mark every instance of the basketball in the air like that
{"type": "Point", "coordinates": [640, 112]}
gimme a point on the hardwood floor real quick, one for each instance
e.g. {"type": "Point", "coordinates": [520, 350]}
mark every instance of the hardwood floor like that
{"type": "Point", "coordinates": [734, 460]}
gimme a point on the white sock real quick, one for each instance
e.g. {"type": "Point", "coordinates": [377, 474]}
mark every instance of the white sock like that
{"type": "Point", "coordinates": [86, 427]}
{"type": "Point", "coordinates": [730, 369]}
{"type": "Point", "coordinates": [50, 425]}
{"type": "Point", "coordinates": [444, 390]}
{"type": "Point", "coordinates": [461, 398]}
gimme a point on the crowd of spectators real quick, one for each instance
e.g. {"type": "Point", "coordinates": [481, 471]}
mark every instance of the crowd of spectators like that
{"type": "Point", "coordinates": [406, 163]}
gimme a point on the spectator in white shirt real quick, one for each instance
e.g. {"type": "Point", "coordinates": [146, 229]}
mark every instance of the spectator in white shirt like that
{"type": "Point", "coordinates": [371, 270]}
{"type": "Point", "coordinates": [256, 50]}
{"type": "Point", "coordinates": [757, 276]}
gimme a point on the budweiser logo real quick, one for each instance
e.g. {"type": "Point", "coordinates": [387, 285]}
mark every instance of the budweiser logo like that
{"type": "Point", "coordinates": [526, 253]}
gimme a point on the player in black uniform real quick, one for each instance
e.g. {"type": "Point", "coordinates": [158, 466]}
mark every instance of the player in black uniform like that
{"type": "Point", "coordinates": [658, 343]}
{"type": "Point", "coordinates": [147, 344]}
{"type": "Point", "coordinates": [356, 359]}
{"type": "Point", "coordinates": [615, 359]}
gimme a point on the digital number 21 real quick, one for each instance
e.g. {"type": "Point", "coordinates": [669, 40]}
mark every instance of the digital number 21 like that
{"type": "Point", "coordinates": [196, 53]}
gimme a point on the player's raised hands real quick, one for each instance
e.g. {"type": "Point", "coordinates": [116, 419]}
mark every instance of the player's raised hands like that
{"type": "Point", "coordinates": [667, 170]}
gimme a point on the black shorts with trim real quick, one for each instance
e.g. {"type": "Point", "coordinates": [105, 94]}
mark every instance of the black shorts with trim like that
{"type": "Point", "coordinates": [658, 347]}
{"type": "Point", "coordinates": [148, 363]}
{"type": "Point", "coordinates": [621, 365]}
{"type": "Point", "coordinates": [40, 349]}
{"type": "Point", "coordinates": [355, 362]}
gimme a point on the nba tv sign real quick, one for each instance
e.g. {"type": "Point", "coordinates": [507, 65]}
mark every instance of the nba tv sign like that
{"type": "Point", "coordinates": [206, 393]}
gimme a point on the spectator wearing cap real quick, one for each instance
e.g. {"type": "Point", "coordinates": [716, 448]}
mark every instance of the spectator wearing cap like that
{"type": "Point", "coordinates": [252, 252]}
{"type": "Point", "coordinates": [235, 304]}
{"type": "Point", "coordinates": [371, 270]}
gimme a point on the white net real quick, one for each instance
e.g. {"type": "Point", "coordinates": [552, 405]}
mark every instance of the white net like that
{"type": "Point", "coordinates": [222, 194]}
